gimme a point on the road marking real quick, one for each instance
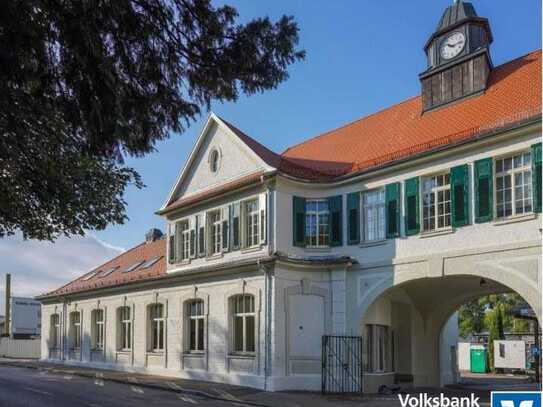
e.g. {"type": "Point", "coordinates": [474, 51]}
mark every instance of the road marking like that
{"type": "Point", "coordinates": [46, 393]}
{"type": "Point", "coordinates": [67, 377]}
{"type": "Point", "coordinates": [99, 382]}
{"type": "Point", "coordinates": [227, 395]}
{"type": "Point", "coordinates": [137, 390]}
{"type": "Point", "coordinates": [188, 399]}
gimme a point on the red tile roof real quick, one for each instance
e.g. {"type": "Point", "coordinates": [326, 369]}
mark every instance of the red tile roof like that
{"type": "Point", "coordinates": [142, 252]}
{"type": "Point", "coordinates": [513, 95]}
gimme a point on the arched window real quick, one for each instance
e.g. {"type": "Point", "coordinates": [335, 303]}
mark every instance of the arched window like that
{"type": "Point", "coordinates": [195, 325]}
{"type": "Point", "coordinates": [243, 323]}
{"type": "Point", "coordinates": [54, 331]}
{"type": "Point", "coordinates": [157, 327]}
{"type": "Point", "coordinates": [125, 328]}
{"type": "Point", "coordinates": [97, 329]}
{"type": "Point", "coordinates": [75, 329]}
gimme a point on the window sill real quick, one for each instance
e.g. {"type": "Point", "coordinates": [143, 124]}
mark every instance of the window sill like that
{"type": "Point", "coordinates": [124, 351]}
{"type": "Point", "coordinates": [373, 243]}
{"type": "Point", "coordinates": [318, 249]}
{"type": "Point", "coordinates": [215, 256]}
{"type": "Point", "coordinates": [433, 233]}
{"type": "Point", "coordinates": [196, 354]}
{"type": "Point", "coordinates": [182, 262]}
{"type": "Point", "coordinates": [251, 249]}
{"type": "Point", "coordinates": [514, 219]}
{"type": "Point", "coordinates": [155, 353]}
{"type": "Point", "coordinates": [241, 355]}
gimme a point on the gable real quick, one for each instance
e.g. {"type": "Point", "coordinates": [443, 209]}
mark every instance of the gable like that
{"type": "Point", "coordinates": [236, 160]}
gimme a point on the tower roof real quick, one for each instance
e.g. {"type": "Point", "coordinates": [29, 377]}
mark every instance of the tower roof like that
{"type": "Point", "coordinates": [459, 11]}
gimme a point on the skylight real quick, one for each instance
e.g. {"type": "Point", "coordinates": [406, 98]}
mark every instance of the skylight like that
{"type": "Point", "coordinates": [150, 262]}
{"type": "Point", "coordinates": [90, 275]}
{"type": "Point", "coordinates": [133, 266]}
{"type": "Point", "coordinates": [108, 272]}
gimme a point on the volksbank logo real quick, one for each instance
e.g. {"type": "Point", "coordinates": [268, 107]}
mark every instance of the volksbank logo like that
{"type": "Point", "coordinates": [515, 399]}
{"type": "Point", "coordinates": [425, 400]}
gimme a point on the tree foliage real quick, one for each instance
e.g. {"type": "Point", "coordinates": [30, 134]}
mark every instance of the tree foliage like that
{"type": "Point", "coordinates": [85, 83]}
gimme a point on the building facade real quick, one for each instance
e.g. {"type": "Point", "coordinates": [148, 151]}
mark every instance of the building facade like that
{"type": "Point", "coordinates": [380, 229]}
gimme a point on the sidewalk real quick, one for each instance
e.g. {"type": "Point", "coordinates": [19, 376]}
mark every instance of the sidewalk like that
{"type": "Point", "coordinates": [215, 391]}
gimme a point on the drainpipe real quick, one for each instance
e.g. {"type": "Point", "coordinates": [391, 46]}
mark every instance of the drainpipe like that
{"type": "Point", "coordinates": [7, 318]}
{"type": "Point", "coordinates": [267, 322]}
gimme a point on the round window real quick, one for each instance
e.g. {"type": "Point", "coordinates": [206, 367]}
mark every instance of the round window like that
{"type": "Point", "coordinates": [214, 158]}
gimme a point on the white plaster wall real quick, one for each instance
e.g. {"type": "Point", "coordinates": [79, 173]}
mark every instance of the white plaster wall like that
{"type": "Point", "coordinates": [515, 354]}
{"type": "Point", "coordinates": [217, 364]}
{"type": "Point", "coordinates": [236, 161]}
{"type": "Point", "coordinates": [448, 351]}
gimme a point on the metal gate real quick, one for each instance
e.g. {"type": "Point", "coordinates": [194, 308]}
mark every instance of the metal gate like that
{"type": "Point", "coordinates": [341, 364]}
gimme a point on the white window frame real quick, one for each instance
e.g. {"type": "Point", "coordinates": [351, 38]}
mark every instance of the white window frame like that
{"type": "Point", "coordinates": [98, 328]}
{"type": "Point", "coordinates": [251, 222]}
{"type": "Point", "coordinates": [125, 328]}
{"type": "Point", "coordinates": [55, 331]}
{"type": "Point", "coordinates": [379, 348]}
{"type": "Point", "coordinates": [435, 190]}
{"type": "Point", "coordinates": [199, 322]}
{"type": "Point", "coordinates": [215, 231]}
{"type": "Point", "coordinates": [157, 323]}
{"type": "Point", "coordinates": [317, 215]}
{"type": "Point", "coordinates": [244, 314]}
{"type": "Point", "coordinates": [524, 168]}
{"type": "Point", "coordinates": [379, 220]}
{"type": "Point", "coordinates": [75, 330]}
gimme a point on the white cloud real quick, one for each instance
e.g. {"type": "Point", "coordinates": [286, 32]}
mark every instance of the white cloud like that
{"type": "Point", "coordinates": [38, 267]}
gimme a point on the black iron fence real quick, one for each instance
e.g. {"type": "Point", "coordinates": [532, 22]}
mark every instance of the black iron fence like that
{"type": "Point", "coordinates": [341, 364]}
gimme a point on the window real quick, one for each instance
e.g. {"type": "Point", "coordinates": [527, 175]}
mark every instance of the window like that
{"type": "Point", "coordinates": [514, 185]}
{"type": "Point", "coordinates": [243, 323]}
{"type": "Point", "coordinates": [55, 331]}
{"type": "Point", "coordinates": [379, 349]}
{"type": "Point", "coordinates": [215, 227]}
{"type": "Point", "coordinates": [184, 239]}
{"type": "Point", "coordinates": [75, 329]}
{"type": "Point", "coordinates": [252, 216]}
{"type": "Point", "coordinates": [125, 328]}
{"type": "Point", "coordinates": [436, 202]}
{"type": "Point", "coordinates": [97, 317]}
{"type": "Point", "coordinates": [316, 223]}
{"type": "Point", "coordinates": [373, 215]}
{"type": "Point", "coordinates": [214, 160]}
{"type": "Point", "coordinates": [156, 317]}
{"type": "Point", "coordinates": [195, 311]}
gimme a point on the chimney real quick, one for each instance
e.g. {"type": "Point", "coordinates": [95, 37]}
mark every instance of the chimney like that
{"type": "Point", "coordinates": [8, 300]}
{"type": "Point", "coordinates": [153, 235]}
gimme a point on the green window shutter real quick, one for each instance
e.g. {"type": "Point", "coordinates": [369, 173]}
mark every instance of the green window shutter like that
{"type": "Point", "coordinates": [392, 202]}
{"type": "Point", "coordinates": [412, 213]}
{"type": "Point", "coordinates": [335, 206]}
{"type": "Point", "coordinates": [460, 196]}
{"type": "Point", "coordinates": [483, 190]}
{"type": "Point", "coordinates": [536, 176]}
{"type": "Point", "coordinates": [171, 249]}
{"type": "Point", "coordinates": [298, 221]}
{"type": "Point", "coordinates": [353, 214]}
{"type": "Point", "coordinates": [236, 222]}
{"type": "Point", "coordinates": [225, 228]}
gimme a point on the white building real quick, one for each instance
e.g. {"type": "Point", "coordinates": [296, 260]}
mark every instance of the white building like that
{"type": "Point", "coordinates": [381, 228]}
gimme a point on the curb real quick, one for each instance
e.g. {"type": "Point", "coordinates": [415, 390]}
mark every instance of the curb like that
{"type": "Point", "coordinates": [89, 375]}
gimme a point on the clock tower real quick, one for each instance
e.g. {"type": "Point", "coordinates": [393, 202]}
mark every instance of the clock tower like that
{"type": "Point", "coordinates": [458, 55]}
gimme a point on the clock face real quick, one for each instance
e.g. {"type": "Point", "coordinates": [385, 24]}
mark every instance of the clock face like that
{"type": "Point", "coordinates": [452, 45]}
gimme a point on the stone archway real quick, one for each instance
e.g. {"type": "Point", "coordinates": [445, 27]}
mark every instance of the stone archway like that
{"type": "Point", "coordinates": [433, 288]}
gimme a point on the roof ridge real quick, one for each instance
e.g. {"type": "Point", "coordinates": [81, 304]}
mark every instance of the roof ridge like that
{"type": "Point", "coordinates": [538, 50]}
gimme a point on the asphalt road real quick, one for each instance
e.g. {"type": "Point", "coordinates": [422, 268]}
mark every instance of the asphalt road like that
{"type": "Point", "coordinates": [20, 387]}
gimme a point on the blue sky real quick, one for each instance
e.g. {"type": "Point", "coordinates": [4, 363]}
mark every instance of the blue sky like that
{"type": "Point", "coordinates": [362, 56]}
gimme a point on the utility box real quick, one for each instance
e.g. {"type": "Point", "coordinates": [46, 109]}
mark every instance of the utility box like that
{"type": "Point", "coordinates": [478, 360]}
